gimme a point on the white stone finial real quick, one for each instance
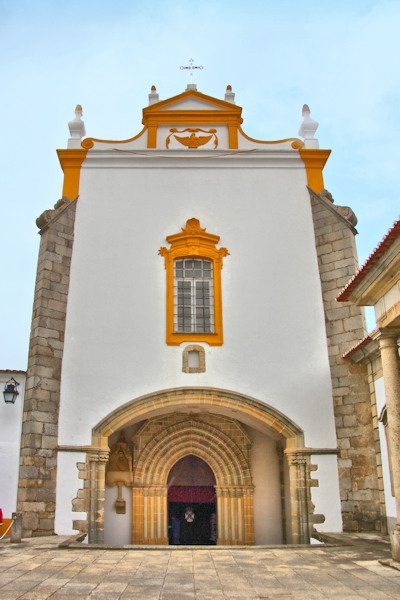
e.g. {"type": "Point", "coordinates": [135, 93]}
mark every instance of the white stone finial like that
{"type": "Point", "coordinates": [308, 128]}
{"type": "Point", "coordinates": [76, 128]}
{"type": "Point", "coordinates": [229, 95]}
{"type": "Point", "coordinates": [153, 96]}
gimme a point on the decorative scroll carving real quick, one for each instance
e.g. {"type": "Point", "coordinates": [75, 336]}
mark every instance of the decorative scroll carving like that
{"type": "Point", "coordinates": [193, 227]}
{"type": "Point", "coordinates": [196, 239]}
{"type": "Point", "coordinates": [297, 144]}
{"type": "Point", "coordinates": [87, 143]}
{"type": "Point", "coordinates": [191, 141]}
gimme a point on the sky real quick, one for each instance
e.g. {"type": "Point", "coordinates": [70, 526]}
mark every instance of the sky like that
{"type": "Point", "coordinates": [340, 57]}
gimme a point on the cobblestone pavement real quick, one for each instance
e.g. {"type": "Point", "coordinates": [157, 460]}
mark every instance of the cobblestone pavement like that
{"type": "Point", "coordinates": [38, 568]}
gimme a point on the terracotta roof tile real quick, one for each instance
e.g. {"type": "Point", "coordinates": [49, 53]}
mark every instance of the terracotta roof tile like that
{"type": "Point", "coordinates": [387, 241]}
{"type": "Point", "coordinates": [357, 346]}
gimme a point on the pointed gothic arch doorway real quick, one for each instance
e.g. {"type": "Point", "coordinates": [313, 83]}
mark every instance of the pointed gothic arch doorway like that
{"type": "Point", "coordinates": [191, 502]}
{"type": "Point", "coordinates": [163, 441]}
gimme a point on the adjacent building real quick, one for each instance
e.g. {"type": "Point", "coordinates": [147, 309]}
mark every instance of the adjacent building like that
{"type": "Point", "coordinates": [377, 284]}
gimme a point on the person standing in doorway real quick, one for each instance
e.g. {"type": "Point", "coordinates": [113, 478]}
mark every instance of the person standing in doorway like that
{"type": "Point", "coordinates": [176, 530]}
{"type": "Point", "coordinates": [189, 518]}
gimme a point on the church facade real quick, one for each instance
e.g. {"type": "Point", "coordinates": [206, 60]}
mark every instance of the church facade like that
{"type": "Point", "coordinates": [187, 348]}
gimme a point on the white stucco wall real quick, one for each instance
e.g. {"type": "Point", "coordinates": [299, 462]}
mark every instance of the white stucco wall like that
{"type": "Point", "coordinates": [275, 346]}
{"type": "Point", "coordinates": [325, 496]}
{"type": "Point", "coordinates": [68, 485]}
{"type": "Point", "coordinates": [267, 493]}
{"type": "Point", "coordinates": [117, 527]}
{"type": "Point", "coordinates": [10, 439]}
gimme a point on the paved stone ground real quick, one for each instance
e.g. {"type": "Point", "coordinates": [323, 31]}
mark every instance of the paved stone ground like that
{"type": "Point", "coordinates": [38, 569]}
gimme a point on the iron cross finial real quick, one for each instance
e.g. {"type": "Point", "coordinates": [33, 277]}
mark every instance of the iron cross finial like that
{"type": "Point", "coordinates": [191, 69]}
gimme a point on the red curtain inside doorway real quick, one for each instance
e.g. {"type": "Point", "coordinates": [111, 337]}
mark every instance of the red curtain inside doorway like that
{"type": "Point", "coordinates": [191, 494]}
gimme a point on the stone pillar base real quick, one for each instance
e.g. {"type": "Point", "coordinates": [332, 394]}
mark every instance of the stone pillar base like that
{"type": "Point", "coordinates": [395, 541]}
{"type": "Point", "coordinates": [16, 529]}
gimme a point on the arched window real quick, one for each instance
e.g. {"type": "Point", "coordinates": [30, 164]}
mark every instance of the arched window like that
{"type": "Point", "coordinates": [194, 304]}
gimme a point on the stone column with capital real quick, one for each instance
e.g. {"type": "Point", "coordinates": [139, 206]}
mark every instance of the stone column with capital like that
{"type": "Point", "coordinates": [300, 497]}
{"type": "Point", "coordinates": [97, 473]}
{"type": "Point", "coordinates": [391, 375]}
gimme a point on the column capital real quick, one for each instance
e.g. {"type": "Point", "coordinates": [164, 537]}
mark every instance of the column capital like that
{"type": "Point", "coordinates": [297, 456]}
{"type": "Point", "coordinates": [386, 336]}
{"type": "Point", "coordinates": [154, 490]}
{"type": "Point", "coordinates": [297, 460]}
{"type": "Point", "coordinates": [99, 456]}
{"type": "Point", "coordinates": [248, 492]}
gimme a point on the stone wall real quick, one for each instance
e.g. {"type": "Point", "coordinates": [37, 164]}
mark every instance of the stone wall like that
{"type": "Point", "coordinates": [345, 327]}
{"type": "Point", "coordinates": [373, 362]}
{"type": "Point", "coordinates": [38, 459]}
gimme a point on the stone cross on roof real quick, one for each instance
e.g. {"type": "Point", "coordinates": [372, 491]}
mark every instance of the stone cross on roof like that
{"type": "Point", "coordinates": [191, 68]}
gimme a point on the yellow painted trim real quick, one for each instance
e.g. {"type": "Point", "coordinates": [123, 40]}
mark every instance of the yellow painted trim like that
{"type": "Point", "coordinates": [152, 136]}
{"type": "Point", "coordinates": [71, 161]}
{"type": "Point", "coordinates": [90, 142]}
{"type": "Point", "coordinates": [296, 143]}
{"type": "Point", "coordinates": [193, 117]}
{"type": "Point", "coordinates": [314, 161]}
{"type": "Point", "coordinates": [233, 136]}
{"type": "Point", "coordinates": [193, 242]}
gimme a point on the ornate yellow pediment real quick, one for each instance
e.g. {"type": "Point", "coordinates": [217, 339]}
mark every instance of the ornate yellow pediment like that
{"type": "Point", "coordinates": [192, 109]}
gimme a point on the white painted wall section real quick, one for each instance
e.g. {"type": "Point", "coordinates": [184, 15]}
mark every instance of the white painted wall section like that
{"type": "Point", "coordinates": [68, 484]}
{"type": "Point", "coordinates": [326, 497]}
{"type": "Point", "coordinates": [390, 500]}
{"type": "Point", "coordinates": [10, 439]}
{"type": "Point", "coordinates": [275, 345]}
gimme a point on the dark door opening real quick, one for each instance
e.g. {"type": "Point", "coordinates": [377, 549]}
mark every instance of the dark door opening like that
{"type": "Point", "coordinates": [199, 530]}
{"type": "Point", "coordinates": [191, 503]}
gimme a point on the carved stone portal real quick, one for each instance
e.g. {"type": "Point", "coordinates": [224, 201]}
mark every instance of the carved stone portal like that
{"type": "Point", "coordinates": [220, 442]}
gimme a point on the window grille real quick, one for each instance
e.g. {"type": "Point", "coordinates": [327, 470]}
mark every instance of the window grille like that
{"type": "Point", "coordinates": [193, 296]}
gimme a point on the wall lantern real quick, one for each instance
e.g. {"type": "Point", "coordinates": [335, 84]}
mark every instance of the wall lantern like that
{"type": "Point", "coordinates": [10, 392]}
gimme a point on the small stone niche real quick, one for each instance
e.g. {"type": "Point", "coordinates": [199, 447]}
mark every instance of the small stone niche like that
{"type": "Point", "coordinates": [193, 359]}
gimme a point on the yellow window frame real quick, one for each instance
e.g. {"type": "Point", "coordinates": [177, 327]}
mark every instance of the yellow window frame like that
{"type": "Point", "coordinates": [193, 242]}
